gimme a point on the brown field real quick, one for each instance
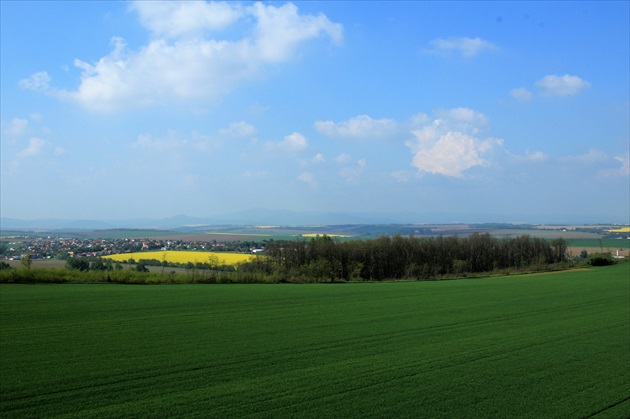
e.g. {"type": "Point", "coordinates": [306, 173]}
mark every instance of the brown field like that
{"type": "Point", "coordinates": [39, 263]}
{"type": "Point", "coordinates": [575, 251]}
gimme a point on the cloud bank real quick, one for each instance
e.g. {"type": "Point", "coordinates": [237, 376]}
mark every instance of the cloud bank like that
{"type": "Point", "coordinates": [186, 59]}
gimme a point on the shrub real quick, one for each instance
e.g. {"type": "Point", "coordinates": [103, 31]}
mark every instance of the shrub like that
{"type": "Point", "coordinates": [601, 259]}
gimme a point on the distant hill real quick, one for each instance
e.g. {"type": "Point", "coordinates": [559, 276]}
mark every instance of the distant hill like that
{"type": "Point", "coordinates": [266, 216]}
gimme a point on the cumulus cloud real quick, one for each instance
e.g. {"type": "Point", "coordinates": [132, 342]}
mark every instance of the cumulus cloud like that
{"type": "Point", "coordinates": [309, 179]}
{"type": "Point", "coordinates": [606, 165]}
{"type": "Point", "coordinates": [35, 146]}
{"type": "Point", "coordinates": [450, 144]}
{"type": "Point", "coordinates": [149, 143]}
{"type": "Point", "coordinates": [352, 173]}
{"type": "Point", "coordinates": [182, 62]}
{"type": "Point", "coordinates": [536, 156]}
{"type": "Point", "coordinates": [521, 94]}
{"type": "Point", "coordinates": [280, 29]}
{"type": "Point", "coordinates": [292, 142]}
{"type": "Point", "coordinates": [461, 119]}
{"type": "Point", "coordinates": [567, 85]}
{"type": "Point", "coordinates": [181, 18]}
{"type": "Point", "coordinates": [238, 129]}
{"type": "Point", "coordinates": [593, 155]}
{"type": "Point", "coordinates": [319, 158]}
{"type": "Point", "coordinates": [624, 168]}
{"type": "Point", "coordinates": [174, 142]}
{"type": "Point", "coordinates": [466, 47]}
{"type": "Point", "coordinates": [16, 128]}
{"type": "Point", "coordinates": [39, 82]}
{"type": "Point", "coordinates": [361, 126]}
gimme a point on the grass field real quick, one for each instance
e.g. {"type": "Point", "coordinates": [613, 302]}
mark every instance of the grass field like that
{"type": "Point", "coordinates": [182, 256]}
{"type": "Point", "coordinates": [555, 345]}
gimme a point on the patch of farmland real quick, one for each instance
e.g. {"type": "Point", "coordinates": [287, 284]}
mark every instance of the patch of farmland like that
{"type": "Point", "coordinates": [543, 346]}
{"type": "Point", "coordinates": [545, 233]}
{"type": "Point", "coordinates": [604, 245]}
{"type": "Point", "coordinates": [223, 258]}
{"type": "Point", "coordinates": [209, 237]}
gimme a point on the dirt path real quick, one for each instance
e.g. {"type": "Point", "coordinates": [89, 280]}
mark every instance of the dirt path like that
{"type": "Point", "coordinates": [554, 272]}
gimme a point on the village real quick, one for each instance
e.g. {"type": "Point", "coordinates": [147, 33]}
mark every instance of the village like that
{"type": "Point", "coordinates": [61, 248]}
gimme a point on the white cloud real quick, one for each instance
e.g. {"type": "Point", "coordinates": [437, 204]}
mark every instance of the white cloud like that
{"type": "Point", "coordinates": [16, 128]}
{"type": "Point", "coordinates": [149, 143]}
{"type": "Point", "coordinates": [180, 18]}
{"type": "Point", "coordinates": [467, 47]}
{"type": "Point", "coordinates": [238, 129]}
{"type": "Point", "coordinates": [181, 63]}
{"type": "Point", "coordinates": [309, 179]}
{"type": "Point", "coordinates": [280, 29]}
{"type": "Point", "coordinates": [609, 166]}
{"type": "Point", "coordinates": [451, 154]}
{"type": "Point", "coordinates": [461, 119]}
{"type": "Point", "coordinates": [173, 142]}
{"type": "Point", "coordinates": [449, 145]}
{"type": "Point", "coordinates": [319, 158]}
{"type": "Point", "coordinates": [35, 147]}
{"type": "Point", "coordinates": [567, 85]}
{"type": "Point", "coordinates": [292, 142]}
{"type": "Point", "coordinates": [352, 174]}
{"type": "Point", "coordinates": [343, 158]}
{"type": "Point", "coordinates": [39, 82]}
{"type": "Point", "coordinates": [255, 174]}
{"type": "Point", "coordinates": [624, 169]}
{"type": "Point", "coordinates": [360, 126]}
{"type": "Point", "coordinates": [536, 156]}
{"type": "Point", "coordinates": [592, 155]}
{"type": "Point", "coordinates": [521, 94]}
{"type": "Point", "coordinates": [402, 176]}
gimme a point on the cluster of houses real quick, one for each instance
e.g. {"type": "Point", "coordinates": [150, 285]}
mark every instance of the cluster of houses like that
{"type": "Point", "coordinates": [50, 247]}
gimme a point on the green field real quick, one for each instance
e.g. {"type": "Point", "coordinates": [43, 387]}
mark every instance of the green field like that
{"type": "Point", "coordinates": [553, 345]}
{"type": "Point", "coordinates": [604, 244]}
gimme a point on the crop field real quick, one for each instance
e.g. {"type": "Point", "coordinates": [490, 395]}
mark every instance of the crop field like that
{"type": "Point", "coordinates": [552, 345]}
{"type": "Point", "coordinates": [223, 258]}
{"type": "Point", "coordinates": [324, 234]}
{"type": "Point", "coordinates": [603, 244]}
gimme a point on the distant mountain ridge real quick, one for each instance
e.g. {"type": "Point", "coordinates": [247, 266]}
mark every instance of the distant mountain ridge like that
{"type": "Point", "coordinates": [265, 216]}
{"type": "Point", "coordinates": [247, 217]}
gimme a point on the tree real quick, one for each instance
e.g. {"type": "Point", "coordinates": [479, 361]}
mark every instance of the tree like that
{"type": "Point", "coordinates": [80, 264]}
{"type": "Point", "coordinates": [26, 261]}
{"type": "Point", "coordinates": [583, 254]}
{"type": "Point", "coordinates": [559, 249]}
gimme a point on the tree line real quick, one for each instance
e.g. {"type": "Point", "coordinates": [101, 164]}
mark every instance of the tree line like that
{"type": "Point", "coordinates": [324, 259]}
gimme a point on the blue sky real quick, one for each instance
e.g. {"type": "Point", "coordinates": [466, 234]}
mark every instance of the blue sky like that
{"type": "Point", "coordinates": [514, 111]}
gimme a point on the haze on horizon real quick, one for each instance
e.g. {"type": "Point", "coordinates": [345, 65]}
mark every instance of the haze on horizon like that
{"type": "Point", "coordinates": [123, 110]}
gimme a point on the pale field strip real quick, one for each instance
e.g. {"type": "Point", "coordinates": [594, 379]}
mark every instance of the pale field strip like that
{"type": "Point", "coordinates": [324, 234]}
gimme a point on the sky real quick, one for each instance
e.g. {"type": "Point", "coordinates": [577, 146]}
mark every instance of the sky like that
{"type": "Point", "coordinates": [512, 111]}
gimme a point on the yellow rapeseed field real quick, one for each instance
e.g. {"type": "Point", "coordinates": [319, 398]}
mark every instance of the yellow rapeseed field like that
{"type": "Point", "coordinates": [620, 230]}
{"type": "Point", "coordinates": [185, 257]}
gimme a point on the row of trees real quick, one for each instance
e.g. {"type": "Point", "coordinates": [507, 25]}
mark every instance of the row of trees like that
{"type": "Point", "coordinates": [398, 257]}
